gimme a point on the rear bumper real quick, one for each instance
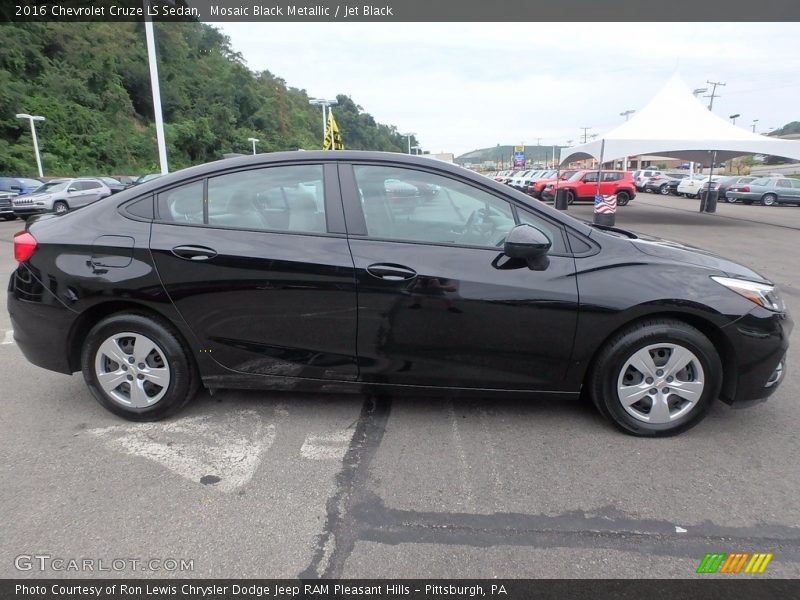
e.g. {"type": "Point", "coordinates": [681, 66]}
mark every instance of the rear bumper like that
{"type": "Point", "coordinates": [41, 322]}
{"type": "Point", "coordinates": [761, 341]}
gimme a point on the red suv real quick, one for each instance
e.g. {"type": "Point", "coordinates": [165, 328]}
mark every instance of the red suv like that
{"type": "Point", "coordinates": [583, 186]}
{"type": "Point", "coordinates": [535, 189]}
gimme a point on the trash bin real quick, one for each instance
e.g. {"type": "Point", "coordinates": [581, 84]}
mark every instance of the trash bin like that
{"type": "Point", "coordinates": [561, 199]}
{"type": "Point", "coordinates": [605, 210]}
{"type": "Point", "coordinates": [711, 201]}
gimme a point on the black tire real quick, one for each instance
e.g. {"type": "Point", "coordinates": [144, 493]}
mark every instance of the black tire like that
{"type": "Point", "coordinates": [9, 217]}
{"type": "Point", "coordinates": [663, 190]}
{"type": "Point", "coordinates": [769, 199]}
{"type": "Point", "coordinates": [570, 197]}
{"type": "Point", "coordinates": [184, 379]}
{"type": "Point", "coordinates": [606, 371]}
{"type": "Point", "coordinates": [60, 207]}
{"type": "Point", "coordinates": [623, 198]}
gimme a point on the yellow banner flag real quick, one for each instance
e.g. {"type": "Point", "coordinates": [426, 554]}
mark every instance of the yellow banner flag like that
{"type": "Point", "coordinates": [333, 137]}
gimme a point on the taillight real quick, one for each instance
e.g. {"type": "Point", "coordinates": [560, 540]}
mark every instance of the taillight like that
{"type": "Point", "coordinates": [24, 246]}
{"type": "Point", "coordinates": [744, 189]}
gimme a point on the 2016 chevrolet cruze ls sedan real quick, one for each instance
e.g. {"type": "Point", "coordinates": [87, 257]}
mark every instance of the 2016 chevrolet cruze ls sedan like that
{"type": "Point", "coordinates": [308, 271]}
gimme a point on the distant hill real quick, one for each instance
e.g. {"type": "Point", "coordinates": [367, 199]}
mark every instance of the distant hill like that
{"type": "Point", "coordinates": [789, 128]}
{"type": "Point", "coordinates": [505, 153]}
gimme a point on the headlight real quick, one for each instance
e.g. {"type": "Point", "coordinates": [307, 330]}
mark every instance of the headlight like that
{"type": "Point", "coordinates": [763, 294]}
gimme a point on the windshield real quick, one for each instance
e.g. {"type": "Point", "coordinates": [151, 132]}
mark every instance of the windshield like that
{"type": "Point", "coordinates": [53, 186]}
{"type": "Point", "coordinates": [576, 176]}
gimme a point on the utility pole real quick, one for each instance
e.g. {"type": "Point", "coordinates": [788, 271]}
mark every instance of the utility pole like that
{"type": "Point", "coordinates": [627, 113]}
{"type": "Point", "coordinates": [585, 129]}
{"type": "Point", "coordinates": [713, 92]}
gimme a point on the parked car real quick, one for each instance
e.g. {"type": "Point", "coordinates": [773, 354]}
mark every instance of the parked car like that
{"type": "Point", "coordinates": [660, 184]}
{"type": "Point", "coordinates": [536, 176]}
{"type": "Point", "coordinates": [724, 184]}
{"type": "Point", "coordinates": [114, 184]}
{"type": "Point", "coordinates": [242, 273]}
{"type": "Point", "coordinates": [690, 186]}
{"type": "Point", "coordinates": [19, 185]}
{"type": "Point", "coordinates": [582, 186]}
{"type": "Point", "coordinates": [537, 187]}
{"type": "Point", "coordinates": [641, 176]}
{"type": "Point", "coordinates": [145, 178]}
{"type": "Point", "coordinates": [6, 208]}
{"type": "Point", "coordinates": [60, 196]}
{"type": "Point", "coordinates": [767, 190]}
{"type": "Point", "coordinates": [516, 181]}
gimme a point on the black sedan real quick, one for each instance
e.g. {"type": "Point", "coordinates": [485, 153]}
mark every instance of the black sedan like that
{"type": "Point", "coordinates": [297, 271]}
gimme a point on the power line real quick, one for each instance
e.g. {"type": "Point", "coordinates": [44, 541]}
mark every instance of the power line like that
{"type": "Point", "coordinates": [713, 92]}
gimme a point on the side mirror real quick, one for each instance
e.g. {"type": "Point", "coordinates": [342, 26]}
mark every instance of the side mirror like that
{"type": "Point", "coordinates": [527, 243]}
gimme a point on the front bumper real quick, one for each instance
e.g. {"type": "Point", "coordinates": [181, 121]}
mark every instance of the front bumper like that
{"type": "Point", "coordinates": [22, 211]}
{"type": "Point", "coordinates": [760, 340]}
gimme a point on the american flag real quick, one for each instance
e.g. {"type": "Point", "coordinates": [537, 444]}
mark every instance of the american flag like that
{"type": "Point", "coordinates": [605, 205]}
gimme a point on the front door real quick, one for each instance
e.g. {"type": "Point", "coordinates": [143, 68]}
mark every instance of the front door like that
{"type": "Point", "coordinates": [438, 302]}
{"type": "Point", "coordinates": [256, 270]}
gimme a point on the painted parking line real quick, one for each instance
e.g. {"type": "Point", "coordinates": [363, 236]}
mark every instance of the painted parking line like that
{"type": "Point", "coordinates": [224, 452]}
{"type": "Point", "coordinates": [8, 337]}
{"type": "Point", "coordinates": [327, 446]}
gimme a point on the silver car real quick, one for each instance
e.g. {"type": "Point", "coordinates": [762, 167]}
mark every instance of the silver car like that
{"type": "Point", "coordinates": [767, 190]}
{"type": "Point", "coordinates": [60, 196]}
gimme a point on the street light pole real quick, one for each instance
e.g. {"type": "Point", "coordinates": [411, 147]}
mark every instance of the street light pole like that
{"type": "Point", "coordinates": [32, 120]}
{"type": "Point", "coordinates": [734, 117]}
{"type": "Point", "coordinates": [754, 125]}
{"type": "Point", "coordinates": [408, 135]}
{"type": "Point", "coordinates": [254, 142]}
{"type": "Point", "coordinates": [627, 113]}
{"type": "Point", "coordinates": [151, 58]}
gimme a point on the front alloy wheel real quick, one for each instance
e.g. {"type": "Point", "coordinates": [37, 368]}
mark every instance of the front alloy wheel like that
{"type": "Point", "coordinates": [660, 383]}
{"type": "Point", "coordinates": [658, 377]}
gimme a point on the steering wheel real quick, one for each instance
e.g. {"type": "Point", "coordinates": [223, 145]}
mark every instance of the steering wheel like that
{"type": "Point", "coordinates": [478, 228]}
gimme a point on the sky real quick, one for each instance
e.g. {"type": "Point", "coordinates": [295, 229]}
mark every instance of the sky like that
{"type": "Point", "coordinates": [463, 86]}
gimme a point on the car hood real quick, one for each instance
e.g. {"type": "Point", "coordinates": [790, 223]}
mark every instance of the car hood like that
{"type": "Point", "coordinates": [35, 196]}
{"type": "Point", "coordinates": [690, 255]}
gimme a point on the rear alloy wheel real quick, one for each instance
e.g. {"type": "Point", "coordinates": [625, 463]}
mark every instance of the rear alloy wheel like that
{"type": "Point", "coordinates": [656, 378]}
{"type": "Point", "coordinates": [623, 198]}
{"type": "Point", "coordinates": [137, 368]}
{"type": "Point", "coordinates": [663, 190]}
{"type": "Point", "coordinates": [60, 207]}
{"type": "Point", "coordinates": [769, 200]}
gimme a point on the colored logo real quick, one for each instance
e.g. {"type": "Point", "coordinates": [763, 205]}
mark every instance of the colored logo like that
{"type": "Point", "coordinates": [735, 562]}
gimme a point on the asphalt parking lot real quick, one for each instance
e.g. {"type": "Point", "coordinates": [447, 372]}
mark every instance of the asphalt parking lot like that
{"type": "Point", "coordinates": [251, 484]}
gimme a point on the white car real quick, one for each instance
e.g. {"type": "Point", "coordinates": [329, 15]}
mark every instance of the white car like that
{"type": "Point", "coordinates": [641, 177]}
{"type": "Point", "coordinates": [690, 186]}
{"type": "Point", "coordinates": [516, 181]}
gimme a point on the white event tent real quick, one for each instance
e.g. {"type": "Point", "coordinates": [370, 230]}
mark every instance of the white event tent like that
{"type": "Point", "coordinates": [678, 125]}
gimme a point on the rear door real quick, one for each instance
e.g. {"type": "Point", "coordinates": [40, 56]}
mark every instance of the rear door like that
{"type": "Point", "coordinates": [439, 304]}
{"type": "Point", "coordinates": [786, 193]}
{"type": "Point", "coordinates": [257, 263]}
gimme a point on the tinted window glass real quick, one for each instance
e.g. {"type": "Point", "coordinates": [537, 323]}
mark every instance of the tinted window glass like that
{"type": "Point", "coordinates": [90, 185]}
{"type": "Point", "coordinates": [551, 230]}
{"type": "Point", "coordinates": [183, 204]}
{"type": "Point", "coordinates": [784, 183]}
{"type": "Point", "coordinates": [796, 183]}
{"type": "Point", "coordinates": [141, 208]}
{"type": "Point", "coordinates": [274, 198]}
{"type": "Point", "coordinates": [590, 177]}
{"type": "Point", "coordinates": [762, 181]}
{"type": "Point", "coordinates": [410, 205]}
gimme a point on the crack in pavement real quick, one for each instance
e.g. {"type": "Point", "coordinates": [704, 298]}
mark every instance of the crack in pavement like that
{"type": "Point", "coordinates": [355, 513]}
{"type": "Point", "coordinates": [341, 531]}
